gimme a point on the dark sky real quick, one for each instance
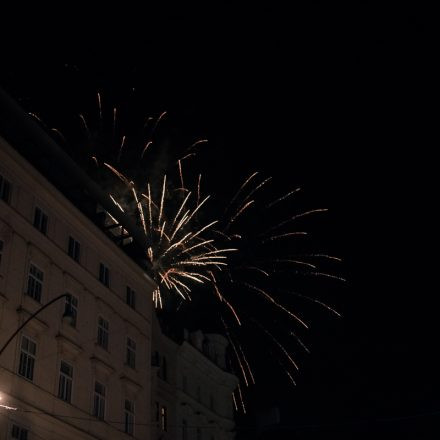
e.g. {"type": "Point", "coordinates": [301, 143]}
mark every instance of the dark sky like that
{"type": "Point", "coordinates": [329, 97]}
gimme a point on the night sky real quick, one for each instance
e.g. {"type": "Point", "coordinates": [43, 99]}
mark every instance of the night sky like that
{"type": "Point", "coordinates": [328, 98]}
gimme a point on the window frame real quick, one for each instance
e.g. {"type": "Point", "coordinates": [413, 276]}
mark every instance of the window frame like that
{"type": "Point", "coordinates": [103, 333]}
{"type": "Point", "coordinates": [72, 303]}
{"type": "Point", "coordinates": [26, 355]}
{"type": "Point", "coordinates": [99, 401]}
{"type": "Point", "coordinates": [5, 189]}
{"type": "Point", "coordinates": [20, 432]}
{"type": "Point", "coordinates": [65, 383]}
{"type": "Point", "coordinates": [36, 281]}
{"type": "Point", "coordinates": [130, 297]}
{"type": "Point", "coordinates": [74, 249]}
{"type": "Point", "coordinates": [129, 417]}
{"type": "Point", "coordinates": [41, 220]}
{"type": "Point", "coordinates": [104, 274]}
{"type": "Point", "coordinates": [130, 352]}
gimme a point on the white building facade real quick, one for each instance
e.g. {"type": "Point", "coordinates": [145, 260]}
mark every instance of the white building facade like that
{"type": "Point", "coordinates": [104, 369]}
{"type": "Point", "coordinates": [87, 375]}
{"type": "Point", "coordinates": [192, 391]}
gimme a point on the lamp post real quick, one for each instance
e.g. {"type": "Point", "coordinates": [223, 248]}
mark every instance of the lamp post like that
{"type": "Point", "coordinates": [68, 312]}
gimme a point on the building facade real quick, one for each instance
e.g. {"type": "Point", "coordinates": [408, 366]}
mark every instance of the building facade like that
{"type": "Point", "coordinates": [192, 391]}
{"type": "Point", "coordinates": [81, 376]}
{"type": "Point", "coordinates": [95, 363]}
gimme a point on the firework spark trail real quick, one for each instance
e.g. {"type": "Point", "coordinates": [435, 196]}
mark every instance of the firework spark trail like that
{"type": "Point", "coordinates": [117, 173]}
{"type": "Point", "coordinates": [34, 115]}
{"type": "Point", "coordinates": [329, 257]}
{"type": "Point", "coordinates": [146, 148]}
{"type": "Point", "coordinates": [200, 141]}
{"type": "Point", "coordinates": [117, 204]}
{"type": "Point", "coordinates": [303, 263]}
{"type": "Point", "coordinates": [240, 189]}
{"type": "Point", "coordinates": [162, 115]}
{"type": "Point", "coordinates": [149, 206]}
{"type": "Point", "coordinates": [203, 243]}
{"type": "Point", "coordinates": [290, 377]}
{"type": "Point", "coordinates": [197, 208]}
{"type": "Point", "coordinates": [114, 120]}
{"type": "Point", "coordinates": [246, 362]}
{"type": "Point", "coordinates": [162, 231]}
{"type": "Point", "coordinates": [180, 224]}
{"type": "Point", "coordinates": [177, 244]}
{"type": "Point", "coordinates": [181, 174]}
{"type": "Point", "coordinates": [147, 121]}
{"type": "Point", "coordinates": [302, 214]}
{"type": "Point", "coordinates": [272, 300]}
{"type": "Point", "coordinates": [241, 399]}
{"type": "Point", "coordinates": [281, 347]}
{"type": "Point", "coordinates": [235, 402]}
{"type": "Point", "coordinates": [203, 229]}
{"type": "Point", "coordinates": [180, 209]}
{"type": "Point", "coordinates": [162, 199]}
{"type": "Point", "coordinates": [323, 304]}
{"type": "Point", "coordinates": [58, 132]}
{"type": "Point", "coordinates": [257, 188]}
{"type": "Point", "coordinates": [328, 275]}
{"type": "Point", "coordinates": [121, 147]}
{"type": "Point", "coordinates": [83, 119]}
{"type": "Point", "coordinates": [300, 342]}
{"type": "Point", "coordinates": [223, 299]}
{"type": "Point", "coordinates": [243, 371]}
{"type": "Point", "coordinates": [288, 234]}
{"type": "Point", "coordinates": [99, 107]}
{"type": "Point", "coordinates": [198, 189]}
{"type": "Point", "coordinates": [258, 270]}
{"type": "Point", "coordinates": [282, 198]}
{"type": "Point", "coordinates": [240, 211]}
{"type": "Point", "coordinates": [140, 210]}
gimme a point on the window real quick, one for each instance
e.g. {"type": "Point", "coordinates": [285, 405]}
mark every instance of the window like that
{"type": "Point", "coordinates": [157, 411]}
{"type": "Point", "coordinates": [129, 417]}
{"type": "Point", "coordinates": [1, 251]}
{"type": "Point", "coordinates": [163, 373]}
{"type": "Point", "coordinates": [35, 283]}
{"type": "Point", "coordinates": [99, 401]}
{"type": "Point", "coordinates": [40, 220]}
{"type": "Point", "coordinates": [104, 274]}
{"type": "Point", "coordinates": [27, 358]}
{"type": "Point", "coordinates": [184, 430]}
{"type": "Point", "coordinates": [131, 298]}
{"type": "Point", "coordinates": [155, 359]}
{"type": "Point", "coordinates": [103, 333]}
{"type": "Point", "coordinates": [199, 434]}
{"type": "Point", "coordinates": [65, 384]}
{"type": "Point", "coordinates": [74, 249]}
{"type": "Point", "coordinates": [184, 383]}
{"type": "Point", "coordinates": [71, 308]}
{"type": "Point", "coordinates": [131, 353]}
{"type": "Point", "coordinates": [199, 396]}
{"type": "Point", "coordinates": [19, 433]}
{"type": "Point", "coordinates": [211, 402]}
{"type": "Point", "coordinates": [5, 189]}
{"type": "Point", "coordinates": [163, 418]}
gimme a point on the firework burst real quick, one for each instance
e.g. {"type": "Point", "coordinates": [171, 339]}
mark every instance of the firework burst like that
{"type": "Point", "coordinates": [244, 269]}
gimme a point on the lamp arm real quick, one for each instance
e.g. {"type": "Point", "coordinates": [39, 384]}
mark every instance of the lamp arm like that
{"type": "Point", "coordinates": [31, 317]}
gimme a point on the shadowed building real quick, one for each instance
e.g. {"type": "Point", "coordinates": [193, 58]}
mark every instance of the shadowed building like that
{"type": "Point", "coordinates": [192, 391]}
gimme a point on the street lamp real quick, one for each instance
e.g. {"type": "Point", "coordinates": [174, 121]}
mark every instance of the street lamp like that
{"type": "Point", "coordinates": [67, 313]}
